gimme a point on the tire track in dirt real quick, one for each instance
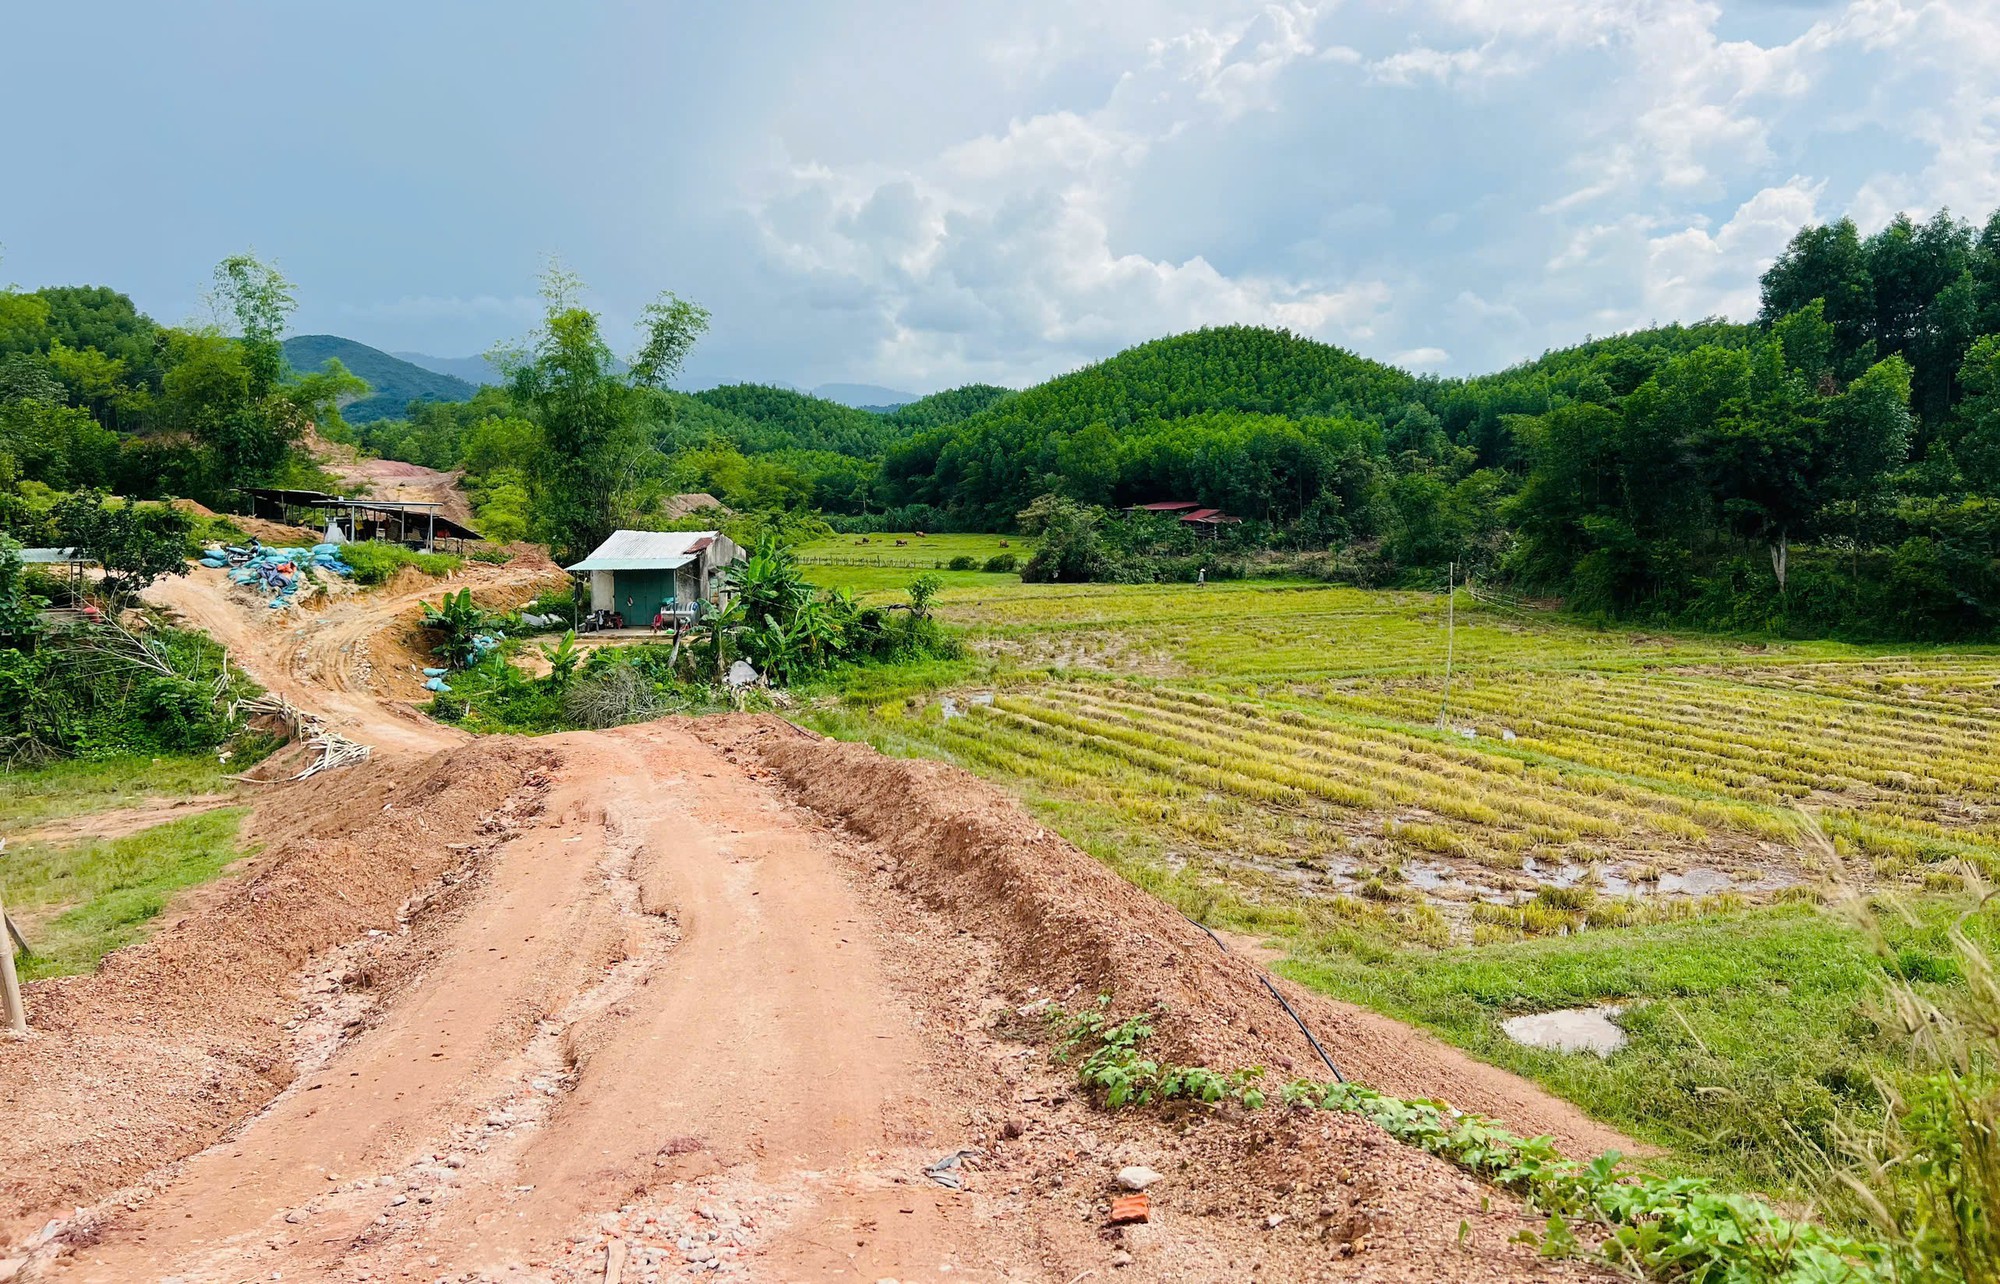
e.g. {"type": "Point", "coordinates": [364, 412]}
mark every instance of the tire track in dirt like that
{"type": "Point", "coordinates": [324, 659]}
{"type": "Point", "coordinates": [680, 1025]}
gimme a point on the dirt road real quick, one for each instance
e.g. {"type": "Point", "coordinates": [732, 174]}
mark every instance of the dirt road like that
{"type": "Point", "coordinates": [349, 660]}
{"type": "Point", "coordinates": [718, 999]}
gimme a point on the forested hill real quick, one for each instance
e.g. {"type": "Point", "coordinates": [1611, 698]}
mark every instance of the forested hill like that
{"type": "Point", "coordinates": [1475, 411]}
{"type": "Point", "coordinates": [769, 419]}
{"type": "Point", "coordinates": [1243, 417]}
{"type": "Point", "coordinates": [393, 383]}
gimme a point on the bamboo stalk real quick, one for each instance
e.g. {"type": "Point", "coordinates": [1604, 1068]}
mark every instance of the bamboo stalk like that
{"type": "Point", "coordinates": [12, 1011]}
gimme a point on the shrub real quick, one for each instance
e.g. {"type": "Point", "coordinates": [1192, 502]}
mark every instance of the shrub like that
{"type": "Point", "coordinates": [457, 621]}
{"type": "Point", "coordinates": [375, 562]}
{"type": "Point", "coordinates": [963, 562]}
{"type": "Point", "coordinates": [1002, 564]}
{"type": "Point", "coordinates": [104, 692]}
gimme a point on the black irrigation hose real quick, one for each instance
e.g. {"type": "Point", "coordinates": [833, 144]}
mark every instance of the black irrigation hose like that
{"type": "Point", "coordinates": [1337, 1076]}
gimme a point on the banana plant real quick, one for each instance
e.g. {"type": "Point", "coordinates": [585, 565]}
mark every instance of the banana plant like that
{"type": "Point", "coordinates": [458, 620]}
{"type": "Point", "coordinates": [563, 657]}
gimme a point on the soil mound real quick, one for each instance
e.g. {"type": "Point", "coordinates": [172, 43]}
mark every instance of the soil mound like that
{"type": "Point", "coordinates": [1071, 927]}
{"type": "Point", "coordinates": [192, 1022]}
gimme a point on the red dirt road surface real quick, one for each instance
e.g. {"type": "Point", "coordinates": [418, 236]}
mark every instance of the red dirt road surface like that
{"type": "Point", "coordinates": [690, 999]}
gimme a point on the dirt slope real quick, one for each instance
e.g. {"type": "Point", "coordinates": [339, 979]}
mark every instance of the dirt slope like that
{"type": "Point", "coordinates": [682, 999]}
{"type": "Point", "coordinates": [351, 659]}
{"type": "Point", "coordinates": [392, 479]}
{"type": "Point", "coordinates": [1073, 926]}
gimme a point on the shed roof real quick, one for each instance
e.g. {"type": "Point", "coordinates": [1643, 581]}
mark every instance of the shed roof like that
{"type": "Point", "coordinates": [51, 556]}
{"type": "Point", "coordinates": [1166, 506]}
{"type": "Point", "coordinates": [599, 562]}
{"type": "Point", "coordinates": [646, 551]}
{"type": "Point", "coordinates": [288, 495]}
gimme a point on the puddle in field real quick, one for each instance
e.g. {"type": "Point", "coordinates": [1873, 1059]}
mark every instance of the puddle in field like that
{"type": "Point", "coordinates": [1698, 880]}
{"type": "Point", "coordinates": [1426, 877]}
{"type": "Point", "coordinates": [951, 709]}
{"type": "Point", "coordinates": [1570, 1030]}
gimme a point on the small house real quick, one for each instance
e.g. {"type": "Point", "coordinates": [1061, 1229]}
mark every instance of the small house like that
{"type": "Point", "coordinates": [638, 574]}
{"type": "Point", "coordinates": [1189, 513]}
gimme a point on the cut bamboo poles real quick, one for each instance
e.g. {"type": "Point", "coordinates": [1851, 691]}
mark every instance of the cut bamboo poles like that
{"type": "Point", "coordinates": [335, 750]}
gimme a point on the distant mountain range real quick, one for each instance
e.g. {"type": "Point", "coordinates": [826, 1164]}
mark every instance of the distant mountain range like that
{"type": "Point", "coordinates": [392, 382]}
{"type": "Point", "coordinates": [476, 370]}
{"type": "Point", "coordinates": [398, 378]}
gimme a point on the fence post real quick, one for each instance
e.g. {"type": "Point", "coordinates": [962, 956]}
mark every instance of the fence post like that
{"type": "Point", "coordinates": [11, 1010]}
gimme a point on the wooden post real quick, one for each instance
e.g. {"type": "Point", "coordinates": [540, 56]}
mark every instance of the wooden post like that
{"type": "Point", "coordinates": [12, 1011]}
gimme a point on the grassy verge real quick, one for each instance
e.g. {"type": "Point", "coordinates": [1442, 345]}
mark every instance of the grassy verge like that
{"type": "Point", "coordinates": [929, 552]}
{"type": "Point", "coordinates": [1644, 1226]}
{"type": "Point", "coordinates": [78, 903]}
{"type": "Point", "coordinates": [73, 787]}
{"type": "Point", "coordinates": [1749, 1034]}
{"type": "Point", "coordinates": [375, 562]}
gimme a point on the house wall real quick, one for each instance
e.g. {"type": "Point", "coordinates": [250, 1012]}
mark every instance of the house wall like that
{"type": "Point", "coordinates": [603, 592]}
{"type": "Point", "coordinates": [713, 559]}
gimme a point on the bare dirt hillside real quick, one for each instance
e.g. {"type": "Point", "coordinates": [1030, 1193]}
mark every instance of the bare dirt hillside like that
{"type": "Point", "coordinates": [392, 479]}
{"type": "Point", "coordinates": [689, 998]}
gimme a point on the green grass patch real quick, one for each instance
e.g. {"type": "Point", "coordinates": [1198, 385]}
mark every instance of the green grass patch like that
{"type": "Point", "coordinates": [31, 797]}
{"type": "Point", "coordinates": [78, 903]}
{"type": "Point", "coordinates": [927, 552]}
{"type": "Point", "coordinates": [375, 562]}
{"type": "Point", "coordinates": [1750, 1034]}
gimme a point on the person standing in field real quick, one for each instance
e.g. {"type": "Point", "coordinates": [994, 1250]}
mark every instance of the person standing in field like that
{"type": "Point", "coordinates": [1201, 575]}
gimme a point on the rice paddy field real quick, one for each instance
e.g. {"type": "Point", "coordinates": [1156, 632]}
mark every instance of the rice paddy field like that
{"type": "Point", "coordinates": [1717, 836]}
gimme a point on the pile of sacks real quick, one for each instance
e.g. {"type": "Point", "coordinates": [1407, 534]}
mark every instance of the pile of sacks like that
{"type": "Point", "coordinates": [278, 572]}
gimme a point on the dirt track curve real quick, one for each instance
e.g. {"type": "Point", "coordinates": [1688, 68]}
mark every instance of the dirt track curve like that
{"type": "Point", "coordinates": [684, 999]}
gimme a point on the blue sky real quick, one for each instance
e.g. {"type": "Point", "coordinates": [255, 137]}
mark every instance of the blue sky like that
{"type": "Point", "coordinates": [920, 195]}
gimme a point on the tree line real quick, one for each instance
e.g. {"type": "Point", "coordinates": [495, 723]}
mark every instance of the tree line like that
{"type": "Point", "coordinates": [93, 393]}
{"type": "Point", "coordinates": [1832, 466]}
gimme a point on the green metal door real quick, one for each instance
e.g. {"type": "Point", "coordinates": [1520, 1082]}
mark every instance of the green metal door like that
{"type": "Point", "coordinates": [642, 593]}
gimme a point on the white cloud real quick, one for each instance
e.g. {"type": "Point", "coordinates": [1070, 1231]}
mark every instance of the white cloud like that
{"type": "Point", "coordinates": [1691, 273]}
{"type": "Point", "coordinates": [999, 253]}
{"type": "Point", "coordinates": [1455, 182]}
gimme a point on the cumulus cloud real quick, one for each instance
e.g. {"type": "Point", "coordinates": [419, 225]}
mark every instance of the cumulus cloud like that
{"type": "Point", "coordinates": [1450, 184]}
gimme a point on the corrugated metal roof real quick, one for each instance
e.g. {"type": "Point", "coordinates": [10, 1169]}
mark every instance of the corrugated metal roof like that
{"type": "Point", "coordinates": [647, 550]}
{"type": "Point", "coordinates": [598, 562]}
{"type": "Point", "coordinates": [50, 556]}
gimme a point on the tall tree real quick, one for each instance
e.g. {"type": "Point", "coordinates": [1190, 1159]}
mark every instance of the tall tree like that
{"type": "Point", "coordinates": [1827, 263]}
{"type": "Point", "coordinates": [590, 444]}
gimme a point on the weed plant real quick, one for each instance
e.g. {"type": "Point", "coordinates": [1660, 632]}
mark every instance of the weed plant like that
{"type": "Point", "coordinates": [78, 903]}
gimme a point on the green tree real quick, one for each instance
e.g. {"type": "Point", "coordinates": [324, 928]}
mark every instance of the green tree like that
{"type": "Point", "coordinates": [136, 544]}
{"type": "Point", "coordinates": [20, 610]}
{"type": "Point", "coordinates": [590, 440]}
{"type": "Point", "coordinates": [260, 300]}
{"type": "Point", "coordinates": [1070, 547]}
{"type": "Point", "coordinates": [1827, 263]}
{"type": "Point", "coordinates": [1977, 428]}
